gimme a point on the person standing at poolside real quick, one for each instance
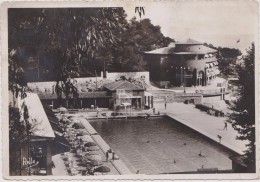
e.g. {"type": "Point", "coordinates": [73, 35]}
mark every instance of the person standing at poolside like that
{"type": "Point", "coordinates": [113, 156]}
{"type": "Point", "coordinates": [219, 137]}
{"type": "Point", "coordinates": [225, 127]}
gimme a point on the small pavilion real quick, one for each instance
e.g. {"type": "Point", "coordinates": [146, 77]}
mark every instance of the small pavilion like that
{"type": "Point", "coordinates": [125, 94]}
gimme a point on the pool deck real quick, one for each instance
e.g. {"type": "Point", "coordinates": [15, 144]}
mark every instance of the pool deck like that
{"type": "Point", "coordinates": [60, 168]}
{"type": "Point", "coordinates": [208, 125]}
{"type": "Point", "coordinates": [118, 164]}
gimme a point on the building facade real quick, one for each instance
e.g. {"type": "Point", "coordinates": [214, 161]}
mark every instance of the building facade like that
{"type": "Point", "coordinates": [125, 93]}
{"type": "Point", "coordinates": [188, 63]}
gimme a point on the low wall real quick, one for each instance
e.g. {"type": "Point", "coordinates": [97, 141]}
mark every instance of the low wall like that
{"type": "Point", "coordinates": [83, 84]}
{"type": "Point", "coordinates": [135, 75]}
{"type": "Point", "coordinates": [196, 99]}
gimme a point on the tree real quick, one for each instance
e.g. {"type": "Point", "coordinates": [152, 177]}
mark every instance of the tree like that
{"type": "Point", "coordinates": [243, 117]}
{"type": "Point", "coordinates": [226, 58]}
{"type": "Point", "coordinates": [139, 36]}
{"type": "Point", "coordinates": [62, 39]}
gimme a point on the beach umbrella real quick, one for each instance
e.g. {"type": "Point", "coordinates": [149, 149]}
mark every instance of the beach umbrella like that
{"type": "Point", "coordinates": [90, 144]}
{"type": "Point", "coordinates": [78, 126]}
{"type": "Point", "coordinates": [86, 138]}
{"type": "Point", "coordinates": [95, 163]}
{"type": "Point", "coordinates": [82, 133]}
{"type": "Point", "coordinates": [102, 169]}
{"type": "Point", "coordinates": [94, 157]}
{"type": "Point", "coordinates": [93, 152]}
{"type": "Point", "coordinates": [93, 148]}
{"type": "Point", "coordinates": [62, 109]}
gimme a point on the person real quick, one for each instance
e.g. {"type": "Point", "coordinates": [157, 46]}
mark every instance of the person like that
{"type": "Point", "coordinates": [225, 127]}
{"type": "Point", "coordinates": [113, 156]}
{"type": "Point", "coordinates": [106, 155]}
{"type": "Point", "coordinates": [174, 161]}
{"type": "Point", "coordinates": [137, 172]}
{"type": "Point", "coordinates": [219, 137]}
{"type": "Point", "coordinates": [165, 105]}
{"type": "Point", "coordinates": [200, 154]}
{"type": "Point", "coordinates": [153, 110]}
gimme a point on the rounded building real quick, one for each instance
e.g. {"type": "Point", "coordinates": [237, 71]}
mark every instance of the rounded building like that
{"type": "Point", "coordinates": [188, 63]}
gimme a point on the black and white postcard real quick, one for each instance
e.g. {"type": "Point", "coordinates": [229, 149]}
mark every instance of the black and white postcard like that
{"type": "Point", "coordinates": [130, 90]}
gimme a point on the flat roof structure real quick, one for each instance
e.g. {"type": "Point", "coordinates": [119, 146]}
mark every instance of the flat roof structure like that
{"type": "Point", "coordinates": [41, 126]}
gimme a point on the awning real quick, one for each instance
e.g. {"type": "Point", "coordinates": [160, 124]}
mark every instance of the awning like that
{"type": "Point", "coordinates": [126, 104]}
{"type": "Point", "coordinates": [217, 71]}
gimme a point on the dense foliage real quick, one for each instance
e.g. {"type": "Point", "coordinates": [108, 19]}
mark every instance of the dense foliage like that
{"type": "Point", "coordinates": [243, 117]}
{"type": "Point", "coordinates": [227, 58]}
{"type": "Point", "coordinates": [60, 44]}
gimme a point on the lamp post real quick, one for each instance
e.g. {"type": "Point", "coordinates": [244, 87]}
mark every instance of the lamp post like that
{"type": "Point", "coordinates": [184, 79]}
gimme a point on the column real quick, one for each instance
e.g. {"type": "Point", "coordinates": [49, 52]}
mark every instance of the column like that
{"type": "Point", "coordinates": [205, 76]}
{"type": "Point", "coordinates": [196, 77]}
{"type": "Point", "coordinates": [144, 100]}
{"type": "Point", "coordinates": [181, 77]}
{"type": "Point", "coordinates": [151, 101]}
{"type": "Point", "coordinates": [184, 78]}
{"type": "Point", "coordinates": [148, 101]}
{"type": "Point", "coordinates": [81, 103]}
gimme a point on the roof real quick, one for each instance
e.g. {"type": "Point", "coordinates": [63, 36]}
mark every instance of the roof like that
{"type": "Point", "coordinates": [189, 41]}
{"type": "Point", "coordinates": [188, 49]}
{"type": "Point", "coordinates": [37, 117]}
{"type": "Point", "coordinates": [99, 94]}
{"type": "Point", "coordinates": [194, 49]}
{"type": "Point", "coordinates": [188, 46]}
{"type": "Point", "coordinates": [163, 50]}
{"type": "Point", "coordinates": [122, 84]}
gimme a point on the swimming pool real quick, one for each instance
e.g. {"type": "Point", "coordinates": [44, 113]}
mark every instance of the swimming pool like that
{"type": "Point", "coordinates": [161, 145]}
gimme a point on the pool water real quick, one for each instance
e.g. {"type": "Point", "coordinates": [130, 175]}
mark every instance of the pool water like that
{"type": "Point", "coordinates": [161, 145]}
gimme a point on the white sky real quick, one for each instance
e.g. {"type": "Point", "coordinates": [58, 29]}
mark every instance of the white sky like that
{"type": "Point", "coordinates": [220, 23]}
